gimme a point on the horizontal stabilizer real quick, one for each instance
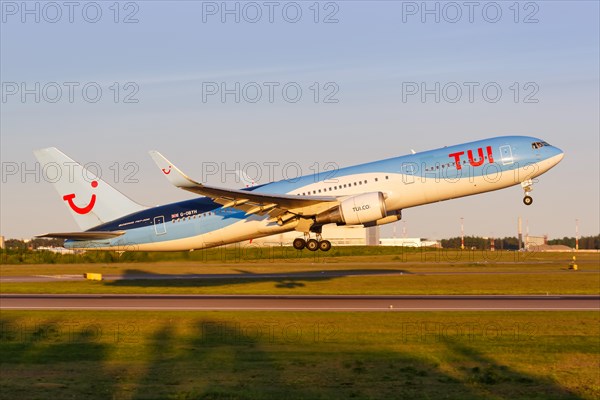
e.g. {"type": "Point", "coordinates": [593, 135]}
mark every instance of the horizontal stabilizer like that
{"type": "Point", "coordinates": [88, 235]}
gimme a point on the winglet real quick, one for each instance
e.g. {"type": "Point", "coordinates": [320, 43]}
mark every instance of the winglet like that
{"type": "Point", "coordinates": [244, 178]}
{"type": "Point", "coordinates": [171, 172]}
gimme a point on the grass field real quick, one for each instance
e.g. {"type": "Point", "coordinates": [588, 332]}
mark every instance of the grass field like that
{"type": "Point", "coordinates": [270, 355]}
{"type": "Point", "coordinates": [309, 355]}
{"type": "Point", "coordinates": [472, 284]}
{"type": "Point", "coordinates": [229, 260]}
{"type": "Point", "coordinates": [417, 273]}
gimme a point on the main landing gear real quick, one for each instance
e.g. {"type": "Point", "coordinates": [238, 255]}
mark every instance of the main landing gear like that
{"type": "Point", "coordinates": [527, 187]}
{"type": "Point", "coordinates": [312, 244]}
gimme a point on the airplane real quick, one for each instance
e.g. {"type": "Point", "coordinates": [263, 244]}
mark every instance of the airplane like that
{"type": "Point", "coordinates": [368, 194]}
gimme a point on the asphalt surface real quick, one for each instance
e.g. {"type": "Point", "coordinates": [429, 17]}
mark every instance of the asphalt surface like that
{"type": "Point", "coordinates": [298, 303]}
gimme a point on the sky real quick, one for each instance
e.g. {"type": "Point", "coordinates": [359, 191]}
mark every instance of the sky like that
{"type": "Point", "coordinates": [263, 86]}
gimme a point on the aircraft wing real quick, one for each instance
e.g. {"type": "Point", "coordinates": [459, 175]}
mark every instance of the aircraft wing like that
{"type": "Point", "coordinates": [252, 202]}
{"type": "Point", "coordinates": [87, 235]}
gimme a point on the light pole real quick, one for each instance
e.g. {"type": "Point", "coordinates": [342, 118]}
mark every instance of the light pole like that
{"type": "Point", "coordinates": [526, 246]}
{"type": "Point", "coordinates": [520, 237]}
{"type": "Point", "coordinates": [462, 233]}
{"type": "Point", "coordinates": [576, 234]}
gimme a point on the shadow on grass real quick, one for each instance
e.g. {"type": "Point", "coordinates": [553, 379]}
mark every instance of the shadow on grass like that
{"type": "Point", "coordinates": [51, 358]}
{"type": "Point", "coordinates": [227, 358]}
{"type": "Point", "coordinates": [287, 280]}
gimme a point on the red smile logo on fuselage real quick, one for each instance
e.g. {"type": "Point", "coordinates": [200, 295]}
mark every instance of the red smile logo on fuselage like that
{"type": "Point", "coordinates": [81, 210]}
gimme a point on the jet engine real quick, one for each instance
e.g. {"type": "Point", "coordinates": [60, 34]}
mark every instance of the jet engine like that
{"type": "Point", "coordinates": [391, 217]}
{"type": "Point", "coordinates": [356, 210]}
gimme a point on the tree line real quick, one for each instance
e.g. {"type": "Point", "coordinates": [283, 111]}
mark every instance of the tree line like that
{"type": "Point", "coordinates": [585, 242]}
{"type": "Point", "coordinates": [476, 242]}
{"type": "Point", "coordinates": [512, 243]}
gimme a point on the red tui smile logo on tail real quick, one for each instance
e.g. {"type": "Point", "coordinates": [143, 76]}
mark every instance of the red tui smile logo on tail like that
{"type": "Point", "coordinates": [166, 171]}
{"type": "Point", "coordinates": [81, 210]}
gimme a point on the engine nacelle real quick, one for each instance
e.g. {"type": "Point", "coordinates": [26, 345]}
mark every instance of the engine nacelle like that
{"type": "Point", "coordinates": [391, 217]}
{"type": "Point", "coordinates": [356, 210]}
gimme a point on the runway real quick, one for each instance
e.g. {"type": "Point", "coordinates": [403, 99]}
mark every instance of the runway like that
{"type": "Point", "coordinates": [298, 303]}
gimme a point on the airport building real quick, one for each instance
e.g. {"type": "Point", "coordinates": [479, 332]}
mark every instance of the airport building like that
{"type": "Point", "coordinates": [350, 236]}
{"type": "Point", "coordinates": [535, 242]}
{"type": "Point", "coordinates": [337, 235]}
{"type": "Point", "coordinates": [409, 242]}
{"type": "Point", "coordinates": [57, 250]}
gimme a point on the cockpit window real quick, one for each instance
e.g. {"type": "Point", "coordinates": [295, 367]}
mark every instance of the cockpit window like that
{"type": "Point", "coordinates": [537, 145]}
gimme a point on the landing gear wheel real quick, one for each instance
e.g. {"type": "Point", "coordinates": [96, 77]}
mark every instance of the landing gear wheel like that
{"type": "Point", "coordinates": [324, 245]}
{"type": "Point", "coordinates": [527, 200]}
{"type": "Point", "coordinates": [312, 245]}
{"type": "Point", "coordinates": [299, 243]}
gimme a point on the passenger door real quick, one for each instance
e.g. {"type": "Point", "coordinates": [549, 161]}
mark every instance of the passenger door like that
{"type": "Point", "coordinates": [159, 225]}
{"type": "Point", "coordinates": [506, 155]}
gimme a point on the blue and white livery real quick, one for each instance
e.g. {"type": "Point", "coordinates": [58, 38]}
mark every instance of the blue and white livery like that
{"type": "Point", "coordinates": [368, 194]}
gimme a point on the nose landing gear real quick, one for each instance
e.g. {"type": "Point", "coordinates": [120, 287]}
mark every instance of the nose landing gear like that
{"type": "Point", "coordinates": [527, 187]}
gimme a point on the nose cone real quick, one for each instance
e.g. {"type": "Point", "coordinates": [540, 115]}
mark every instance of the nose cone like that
{"type": "Point", "coordinates": [556, 155]}
{"type": "Point", "coordinates": [559, 154]}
